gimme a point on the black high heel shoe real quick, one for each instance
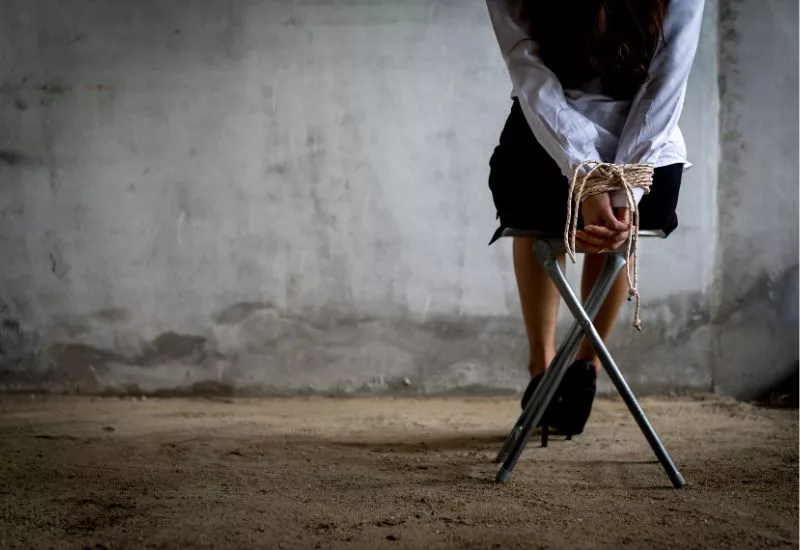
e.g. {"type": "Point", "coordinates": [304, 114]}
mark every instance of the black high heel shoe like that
{"type": "Point", "coordinates": [571, 405]}
{"type": "Point", "coordinates": [577, 392]}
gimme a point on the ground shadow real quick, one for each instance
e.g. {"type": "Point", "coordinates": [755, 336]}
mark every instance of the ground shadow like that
{"type": "Point", "coordinates": [785, 394]}
{"type": "Point", "coordinates": [463, 442]}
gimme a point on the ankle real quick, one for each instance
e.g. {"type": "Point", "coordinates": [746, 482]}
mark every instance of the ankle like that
{"type": "Point", "coordinates": [535, 370]}
{"type": "Point", "coordinates": [592, 360]}
{"type": "Point", "coordinates": [539, 361]}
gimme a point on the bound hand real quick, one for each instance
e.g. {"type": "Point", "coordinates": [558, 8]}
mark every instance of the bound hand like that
{"type": "Point", "coordinates": [605, 228]}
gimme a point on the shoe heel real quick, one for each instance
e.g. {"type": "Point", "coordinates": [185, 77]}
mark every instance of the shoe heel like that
{"type": "Point", "coordinates": [545, 434]}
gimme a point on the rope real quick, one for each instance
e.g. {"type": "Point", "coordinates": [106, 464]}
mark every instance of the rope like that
{"type": "Point", "coordinates": [603, 178]}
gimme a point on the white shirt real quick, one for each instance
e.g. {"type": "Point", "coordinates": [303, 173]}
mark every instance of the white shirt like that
{"type": "Point", "coordinates": [576, 125]}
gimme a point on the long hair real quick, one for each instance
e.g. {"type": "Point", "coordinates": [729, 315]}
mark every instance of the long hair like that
{"type": "Point", "coordinates": [611, 39]}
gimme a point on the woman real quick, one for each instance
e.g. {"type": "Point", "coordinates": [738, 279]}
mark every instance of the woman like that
{"type": "Point", "coordinates": [593, 80]}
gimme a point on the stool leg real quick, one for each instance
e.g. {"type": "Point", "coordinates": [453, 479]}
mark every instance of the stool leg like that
{"type": "Point", "coordinates": [532, 414]}
{"type": "Point", "coordinates": [618, 380]}
{"type": "Point", "coordinates": [526, 423]}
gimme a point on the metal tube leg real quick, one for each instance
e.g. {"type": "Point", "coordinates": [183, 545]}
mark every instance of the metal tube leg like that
{"type": "Point", "coordinates": [540, 400]}
{"type": "Point", "coordinates": [619, 382]}
{"type": "Point", "coordinates": [533, 412]}
{"type": "Point", "coordinates": [566, 350]}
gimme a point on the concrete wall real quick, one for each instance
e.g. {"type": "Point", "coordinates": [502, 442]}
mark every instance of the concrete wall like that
{"type": "Point", "coordinates": [755, 321]}
{"type": "Point", "coordinates": [271, 197]}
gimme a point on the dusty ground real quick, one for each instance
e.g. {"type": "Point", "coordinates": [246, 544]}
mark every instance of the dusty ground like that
{"type": "Point", "coordinates": [386, 473]}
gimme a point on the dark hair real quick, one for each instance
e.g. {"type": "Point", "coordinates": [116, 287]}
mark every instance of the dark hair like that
{"type": "Point", "coordinates": [611, 39]}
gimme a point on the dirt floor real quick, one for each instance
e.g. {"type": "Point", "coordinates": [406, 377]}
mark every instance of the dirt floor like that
{"type": "Point", "coordinates": [387, 473]}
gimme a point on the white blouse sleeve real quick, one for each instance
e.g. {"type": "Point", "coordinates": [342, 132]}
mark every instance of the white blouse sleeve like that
{"type": "Point", "coordinates": [567, 135]}
{"type": "Point", "coordinates": [657, 106]}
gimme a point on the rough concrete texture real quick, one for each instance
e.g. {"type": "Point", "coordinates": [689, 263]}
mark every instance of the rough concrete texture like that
{"type": "Point", "coordinates": [356, 473]}
{"type": "Point", "coordinates": [756, 319]}
{"type": "Point", "coordinates": [275, 197]}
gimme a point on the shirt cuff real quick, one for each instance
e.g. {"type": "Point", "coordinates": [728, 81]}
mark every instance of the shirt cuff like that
{"type": "Point", "coordinates": [619, 199]}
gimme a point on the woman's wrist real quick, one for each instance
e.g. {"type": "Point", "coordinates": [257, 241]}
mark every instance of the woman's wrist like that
{"type": "Point", "coordinates": [619, 199]}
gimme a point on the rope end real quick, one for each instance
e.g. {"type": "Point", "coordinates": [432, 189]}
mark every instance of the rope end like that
{"type": "Point", "coordinates": [637, 319]}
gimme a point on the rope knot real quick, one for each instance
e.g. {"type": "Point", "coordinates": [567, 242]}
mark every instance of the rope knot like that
{"type": "Point", "coordinates": [605, 177]}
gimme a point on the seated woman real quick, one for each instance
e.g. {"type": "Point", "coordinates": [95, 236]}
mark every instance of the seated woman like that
{"type": "Point", "coordinates": [592, 80]}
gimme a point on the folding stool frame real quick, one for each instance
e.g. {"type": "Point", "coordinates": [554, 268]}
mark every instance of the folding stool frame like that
{"type": "Point", "coordinates": [546, 249]}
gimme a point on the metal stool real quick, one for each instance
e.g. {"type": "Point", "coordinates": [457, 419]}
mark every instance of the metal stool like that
{"type": "Point", "coordinates": [546, 247]}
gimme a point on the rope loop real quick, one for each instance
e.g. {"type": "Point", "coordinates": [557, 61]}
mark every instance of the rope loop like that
{"type": "Point", "coordinates": [594, 178]}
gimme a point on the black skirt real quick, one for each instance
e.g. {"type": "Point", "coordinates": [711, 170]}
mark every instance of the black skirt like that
{"type": "Point", "coordinates": [530, 192]}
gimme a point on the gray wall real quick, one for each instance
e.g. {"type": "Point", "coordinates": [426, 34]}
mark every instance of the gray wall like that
{"type": "Point", "coordinates": [755, 318]}
{"type": "Point", "coordinates": [272, 197]}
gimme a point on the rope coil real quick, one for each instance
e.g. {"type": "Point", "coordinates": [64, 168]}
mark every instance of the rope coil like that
{"type": "Point", "coordinates": [603, 177]}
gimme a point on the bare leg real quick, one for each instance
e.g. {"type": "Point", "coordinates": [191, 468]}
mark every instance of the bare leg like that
{"type": "Point", "coordinates": [604, 322]}
{"type": "Point", "coordinates": [540, 299]}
